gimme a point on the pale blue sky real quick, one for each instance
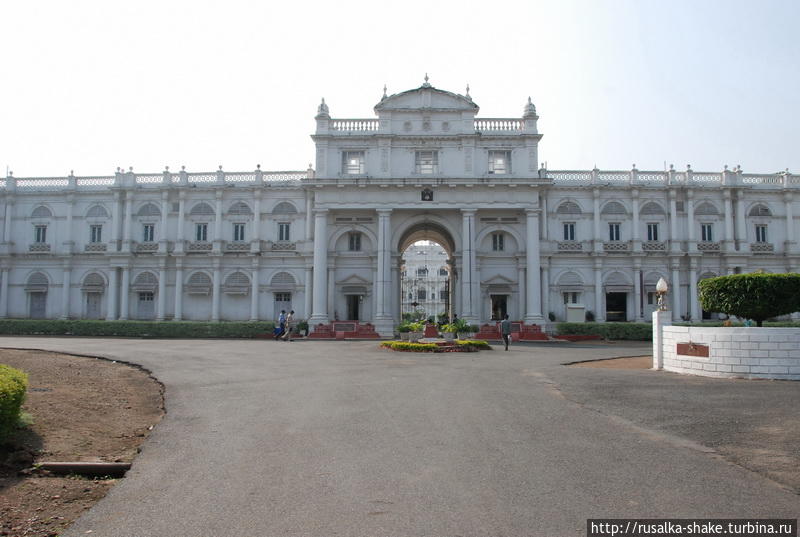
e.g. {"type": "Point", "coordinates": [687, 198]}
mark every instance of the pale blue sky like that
{"type": "Point", "coordinates": [94, 85]}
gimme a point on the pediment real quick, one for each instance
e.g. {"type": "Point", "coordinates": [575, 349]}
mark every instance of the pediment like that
{"type": "Point", "coordinates": [354, 280]}
{"type": "Point", "coordinates": [498, 280]}
{"type": "Point", "coordinates": [426, 97]}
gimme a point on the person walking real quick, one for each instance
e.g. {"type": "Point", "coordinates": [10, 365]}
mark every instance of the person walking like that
{"type": "Point", "coordinates": [505, 330]}
{"type": "Point", "coordinates": [281, 325]}
{"type": "Point", "coordinates": [289, 320]}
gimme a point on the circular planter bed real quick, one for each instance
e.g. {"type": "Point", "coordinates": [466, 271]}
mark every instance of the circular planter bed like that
{"type": "Point", "coordinates": [437, 346]}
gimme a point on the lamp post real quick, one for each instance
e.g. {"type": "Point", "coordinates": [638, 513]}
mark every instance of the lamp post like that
{"type": "Point", "coordinates": [661, 291]}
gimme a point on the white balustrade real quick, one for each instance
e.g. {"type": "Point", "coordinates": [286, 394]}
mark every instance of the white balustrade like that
{"type": "Point", "coordinates": [149, 178]}
{"type": "Point", "coordinates": [354, 125]}
{"type": "Point", "coordinates": [498, 124]}
{"type": "Point", "coordinates": [613, 177]}
{"type": "Point", "coordinates": [569, 176]}
{"type": "Point", "coordinates": [706, 178]}
{"type": "Point", "coordinates": [652, 177]}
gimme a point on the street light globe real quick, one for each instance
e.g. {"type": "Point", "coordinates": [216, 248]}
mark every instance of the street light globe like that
{"type": "Point", "coordinates": [662, 286]}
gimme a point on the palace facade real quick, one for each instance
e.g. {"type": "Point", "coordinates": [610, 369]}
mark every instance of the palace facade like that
{"type": "Point", "coordinates": [328, 241]}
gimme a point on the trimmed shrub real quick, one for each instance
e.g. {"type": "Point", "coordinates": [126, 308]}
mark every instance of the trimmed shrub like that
{"type": "Point", "coordinates": [756, 296]}
{"type": "Point", "coordinates": [632, 331]}
{"type": "Point", "coordinates": [166, 329]}
{"type": "Point", "coordinates": [409, 347]}
{"type": "Point", "coordinates": [476, 344]}
{"type": "Point", "coordinates": [13, 385]}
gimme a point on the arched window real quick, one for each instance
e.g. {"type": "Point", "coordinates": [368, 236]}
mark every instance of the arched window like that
{"type": "Point", "coordinates": [282, 280]}
{"type": "Point", "coordinates": [569, 208]}
{"type": "Point", "coordinates": [651, 209]}
{"type": "Point", "coordinates": [149, 209]}
{"type": "Point", "coordinates": [613, 207]}
{"type": "Point", "coordinates": [202, 209]}
{"type": "Point", "coordinates": [284, 208]}
{"type": "Point", "coordinates": [41, 212]}
{"type": "Point", "coordinates": [760, 210]}
{"type": "Point", "coordinates": [240, 208]}
{"type": "Point", "coordinates": [97, 211]}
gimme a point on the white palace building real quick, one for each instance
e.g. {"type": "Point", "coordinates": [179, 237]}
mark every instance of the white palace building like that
{"type": "Point", "coordinates": [328, 241]}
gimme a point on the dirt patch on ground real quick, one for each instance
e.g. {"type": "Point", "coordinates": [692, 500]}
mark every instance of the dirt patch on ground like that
{"type": "Point", "coordinates": [630, 362]}
{"type": "Point", "coordinates": [84, 409]}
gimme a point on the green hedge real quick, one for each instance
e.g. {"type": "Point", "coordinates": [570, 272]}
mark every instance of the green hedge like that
{"type": "Point", "coordinates": [13, 385]}
{"type": "Point", "coordinates": [166, 329]}
{"type": "Point", "coordinates": [477, 344]}
{"type": "Point", "coordinates": [634, 331]}
{"type": "Point", "coordinates": [412, 347]}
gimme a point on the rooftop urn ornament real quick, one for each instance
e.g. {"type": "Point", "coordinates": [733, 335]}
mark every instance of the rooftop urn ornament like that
{"type": "Point", "coordinates": [426, 84]}
{"type": "Point", "coordinates": [468, 96]}
{"type": "Point", "coordinates": [530, 109]}
{"type": "Point", "coordinates": [661, 291]}
{"type": "Point", "coordinates": [384, 92]}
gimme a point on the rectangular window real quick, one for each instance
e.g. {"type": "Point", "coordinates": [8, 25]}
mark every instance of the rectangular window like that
{"type": "Point", "coordinates": [41, 234]}
{"type": "Point", "coordinates": [613, 232]}
{"type": "Point", "coordinates": [571, 297]}
{"type": "Point", "coordinates": [421, 294]}
{"type": "Point", "coordinates": [707, 232]}
{"type": "Point", "coordinates": [651, 299]}
{"type": "Point", "coordinates": [146, 296]}
{"type": "Point", "coordinates": [353, 163]}
{"type": "Point", "coordinates": [95, 233]}
{"type": "Point", "coordinates": [569, 231]}
{"type": "Point", "coordinates": [442, 271]}
{"type": "Point", "coordinates": [761, 233]}
{"type": "Point", "coordinates": [499, 162]}
{"type": "Point", "coordinates": [427, 162]}
{"type": "Point", "coordinates": [355, 242]}
{"type": "Point", "coordinates": [238, 232]}
{"type": "Point", "coordinates": [652, 232]}
{"type": "Point", "coordinates": [201, 232]}
{"type": "Point", "coordinates": [148, 232]}
{"type": "Point", "coordinates": [283, 297]}
{"type": "Point", "coordinates": [283, 231]}
{"type": "Point", "coordinates": [497, 242]}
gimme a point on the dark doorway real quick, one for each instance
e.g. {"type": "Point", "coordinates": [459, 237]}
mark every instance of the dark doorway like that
{"type": "Point", "coordinates": [616, 307]}
{"type": "Point", "coordinates": [353, 307]}
{"type": "Point", "coordinates": [499, 307]}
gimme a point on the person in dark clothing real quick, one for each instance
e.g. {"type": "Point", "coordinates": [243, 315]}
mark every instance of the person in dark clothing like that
{"type": "Point", "coordinates": [505, 330]}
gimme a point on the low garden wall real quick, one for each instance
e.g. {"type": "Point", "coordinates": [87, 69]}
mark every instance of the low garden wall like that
{"type": "Point", "coordinates": [746, 352]}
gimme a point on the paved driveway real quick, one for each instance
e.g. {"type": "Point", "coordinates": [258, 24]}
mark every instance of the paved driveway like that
{"type": "Point", "coordinates": [342, 439]}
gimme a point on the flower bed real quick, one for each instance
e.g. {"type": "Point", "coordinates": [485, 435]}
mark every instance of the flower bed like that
{"type": "Point", "coordinates": [458, 345]}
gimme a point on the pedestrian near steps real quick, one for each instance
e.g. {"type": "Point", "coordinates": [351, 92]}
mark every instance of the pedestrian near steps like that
{"type": "Point", "coordinates": [505, 330]}
{"type": "Point", "coordinates": [288, 331]}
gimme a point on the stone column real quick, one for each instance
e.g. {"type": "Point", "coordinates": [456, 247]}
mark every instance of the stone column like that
{"type": "Point", "coordinates": [694, 307]}
{"type": "Point", "coordinates": [790, 240]}
{"type": "Point", "coordinates": [216, 298]}
{"type": "Point", "coordinates": [125, 291]}
{"type": "Point", "coordinates": [676, 290]}
{"type": "Point", "coordinates": [394, 284]}
{"type": "Point", "coordinates": [383, 321]}
{"type": "Point", "coordinates": [254, 278]}
{"type": "Point", "coordinates": [320, 287]}
{"type": "Point", "coordinates": [544, 228]}
{"type": "Point", "coordinates": [4, 293]}
{"type": "Point", "coordinates": [637, 292]}
{"type": "Point", "coordinates": [113, 244]}
{"type": "Point", "coordinates": [255, 239]}
{"type": "Point", "coordinates": [69, 242]}
{"type": "Point", "coordinates": [162, 233]}
{"type": "Point", "coordinates": [599, 313]}
{"type": "Point", "coordinates": [309, 216]}
{"type": "Point", "coordinates": [674, 239]}
{"type": "Point", "coordinates": [8, 219]}
{"type": "Point", "coordinates": [598, 238]}
{"type": "Point", "coordinates": [660, 320]}
{"type": "Point", "coordinates": [728, 245]}
{"type": "Point", "coordinates": [161, 304]}
{"type": "Point", "coordinates": [521, 287]}
{"type": "Point", "coordinates": [218, 222]}
{"type": "Point", "coordinates": [308, 293]}
{"type": "Point", "coordinates": [533, 283]}
{"type": "Point", "coordinates": [468, 298]}
{"type": "Point", "coordinates": [741, 224]}
{"type": "Point", "coordinates": [179, 243]}
{"type": "Point", "coordinates": [111, 294]}
{"type": "Point", "coordinates": [126, 237]}
{"type": "Point", "coordinates": [546, 290]}
{"type": "Point", "coordinates": [690, 224]}
{"type": "Point", "coordinates": [65, 288]}
{"type": "Point", "coordinates": [637, 243]}
{"type": "Point", "coordinates": [178, 289]}
{"type": "Point", "coordinates": [331, 289]}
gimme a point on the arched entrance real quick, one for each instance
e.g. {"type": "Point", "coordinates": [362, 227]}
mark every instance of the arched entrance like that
{"type": "Point", "coordinates": [427, 272]}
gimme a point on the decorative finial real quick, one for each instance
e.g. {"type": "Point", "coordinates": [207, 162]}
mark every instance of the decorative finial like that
{"type": "Point", "coordinates": [426, 84]}
{"type": "Point", "coordinates": [688, 167]}
{"type": "Point", "coordinates": [166, 168]}
{"type": "Point", "coordinates": [220, 167]}
{"type": "Point", "coordinates": [634, 166]}
{"type": "Point", "coordinates": [671, 167]}
{"type": "Point", "coordinates": [183, 168]}
{"type": "Point", "coordinates": [467, 95]}
{"type": "Point", "coordinates": [530, 109]}
{"type": "Point", "coordinates": [725, 167]}
{"type": "Point", "coordinates": [119, 169]}
{"type": "Point", "coordinates": [384, 92]}
{"type": "Point", "coordinates": [72, 172]}
{"type": "Point", "coordinates": [130, 169]}
{"type": "Point", "coordinates": [258, 166]}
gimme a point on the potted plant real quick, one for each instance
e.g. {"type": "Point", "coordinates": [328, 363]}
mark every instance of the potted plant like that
{"type": "Point", "coordinates": [449, 332]}
{"type": "Point", "coordinates": [404, 329]}
{"type": "Point", "coordinates": [302, 328]}
{"type": "Point", "coordinates": [416, 331]}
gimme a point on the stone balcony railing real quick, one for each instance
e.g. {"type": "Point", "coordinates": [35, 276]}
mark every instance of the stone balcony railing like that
{"type": "Point", "coordinates": [570, 246]}
{"type": "Point", "coordinates": [489, 124]}
{"type": "Point", "coordinates": [616, 246]}
{"type": "Point", "coordinates": [39, 248]}
{"type": "Point", "coordinates": [762, 247]}
{"type": "Point", "coordinates": [146, 247]}
{"type": "Point", "coordinates": [237, 246]}
{"type": "Point", "coordinates": [285, 246]}
{"type": "Point", "coordinates": [654, 246]}
{"type": "Point", "coordinates": [95, 247]}
{"type": "Point", "coordinates": [199, 246]}
{"type": "Point", "coordinates": [711, 247]}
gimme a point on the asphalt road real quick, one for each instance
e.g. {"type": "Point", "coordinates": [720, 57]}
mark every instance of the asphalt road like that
{"type": "Point", "coordinates": [343, 439]}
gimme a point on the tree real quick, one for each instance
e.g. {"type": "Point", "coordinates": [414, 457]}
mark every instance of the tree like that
{"type": "Point", "coordinates": [755, 296]}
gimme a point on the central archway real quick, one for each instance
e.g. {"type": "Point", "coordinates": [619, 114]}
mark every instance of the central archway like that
{"type": "Point", "coordinates": [427, 273]}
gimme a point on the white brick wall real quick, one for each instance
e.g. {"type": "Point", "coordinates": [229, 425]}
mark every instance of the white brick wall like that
{"type": "Point", "coordinates": [772, 353]}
